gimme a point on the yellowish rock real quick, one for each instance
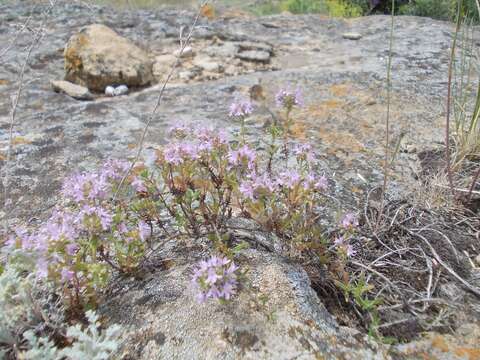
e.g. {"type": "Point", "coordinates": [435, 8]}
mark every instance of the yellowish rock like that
{"type": "Point", "coordinates": [97, 56]}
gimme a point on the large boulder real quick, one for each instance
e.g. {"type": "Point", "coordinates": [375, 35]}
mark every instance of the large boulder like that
{"type": "Point", "coordinates": [97, 56]}
{"type": "Point", "coordinates": [275, 315]}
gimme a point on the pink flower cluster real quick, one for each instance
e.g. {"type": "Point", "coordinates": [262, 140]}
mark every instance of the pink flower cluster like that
{"type": "Point", "coordinates": [241, 108]}
{"type": "Point", "coordinates": [349, 223]}
{"type": "Point", "coordinates": [202, 143]}
{"type": "Point", "coordinates": [288, 99]}
{"type": "Point", "coordinates": [87, 211]}
{"type": "Point", "coordinates": [92, 186]}
{"type": "Point", "coordinates": [286, 180]}
{"type": "Point", "coordinates": [241, 156]}
{"type": "Point", "coordinates": [304, 152]}
{"type": "Point", "coordinates": [215, 278]}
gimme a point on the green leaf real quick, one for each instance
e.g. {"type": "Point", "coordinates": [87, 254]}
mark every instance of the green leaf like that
{"type": "Point", "coordinates": [240, 247]}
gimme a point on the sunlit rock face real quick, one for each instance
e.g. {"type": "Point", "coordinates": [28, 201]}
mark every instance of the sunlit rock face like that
{"type": "Point", "coordinates": [97, 57]}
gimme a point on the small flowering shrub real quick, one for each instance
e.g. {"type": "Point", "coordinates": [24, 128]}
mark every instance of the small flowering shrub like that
{"type": "Point", "coordinates": [107, 220]}
{"type": "Point", "coordinates": [215, 278]}
{"type": "Point", "coordinates": [289, 204]}
{"type": "Point", "coordinates": [88, 236]}
{"type": "Point", "coordinates": [194, 181]}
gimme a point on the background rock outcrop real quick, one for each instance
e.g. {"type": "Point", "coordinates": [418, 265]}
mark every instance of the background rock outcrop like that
{"type": "Point", "coordinates": [97, 56]}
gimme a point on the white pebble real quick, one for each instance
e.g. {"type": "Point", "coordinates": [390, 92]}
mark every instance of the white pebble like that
{"type": "Point", "coordinates": [110, 91]}
{"type": "Point", "coordinates": [120, 90]}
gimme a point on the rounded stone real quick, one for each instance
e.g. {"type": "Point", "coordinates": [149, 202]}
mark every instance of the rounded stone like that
{"type": "Point", "coordinates": [97, 56]}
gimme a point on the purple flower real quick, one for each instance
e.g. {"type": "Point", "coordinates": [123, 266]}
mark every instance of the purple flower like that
{"type": "Point", "coordinates": [87, 186]}
{"type": "Point", "coordinates": [66, 275]}
{"type": "Point", "coordinates": [114, 169]}
{"type": "Point", "coordinates": [243, 154]}
{"type": "Point", "coordinates": [71, 249]}
{"type": "Point", "coordinates": [42, 268]}
{"type": "Point", "coordinates": [289, 179]}
{"type": "Point", "coordinates": [349, 221]}
{"type": "Point", "coordinates": [246, 189]}
{"type": "Point", "coordinates": [339, 241]}
{"type": "Point", "coordinates": [122, 228]}
{"type": "Point", "coordinates": [211, 137]}
{"type": "Point", "coordinates": [139, 185]}
{"type": "Point", "coordinates": [262, 182]}
{"type": "Point", "coordinates": [312, 182]}
{"type": "Point", "coordinates": [215, 278]}
{"type": "Point", "coordinates": [73, 188]}
{"type": "Point", "coordinates": [304, 152]}
{"type": "Point", "coordinates": [189, 151]}
{"type": "Point", "coordinates": [350, 251]}
{"type": "Point", "coordinates": [176, 154]}
{"type": "Point", "coordinates": [144, 230]}
{"type": "Point", "coordinates": [172, 154]}
{"type": "Point", "coordinates": [105, 218]}
{"type": "Point", "coordinates": [228, 290]}
{"type": "Point", "coordinates": [288, 99]}
{"type": "Point", "coordinates": [241, 108]}
{"type": "Point", "coordinates": [212, 275]}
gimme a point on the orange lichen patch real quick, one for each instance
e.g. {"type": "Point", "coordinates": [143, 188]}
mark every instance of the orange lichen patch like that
{"type": "Point", "coordinates": [468, 353]}
{"type": "Point", "coordinates": [341, 141]}
{"type": "Point", "coordinates": [356, 190]}
{"type": "Point", "coordinates": [332, 104]}
{"type": "Point", "coordinates": [322, 109]}
{"type": "Point", "coordinates": [340, 89]}
{"type": "Point", "coordinates": [440, 343]}
{"type": "Point", "coordinates": [3, 82]}
{"type": "Point", "coordinates": [298, 130]}
{"type": "Point", "coordinates": [72, 58]}
{"type": "Point", "coordinates": [208, 11]}
{"type": "Point", "coordinates": [19, 140]}
{"type": "Point", "coordinates": [235, 13]}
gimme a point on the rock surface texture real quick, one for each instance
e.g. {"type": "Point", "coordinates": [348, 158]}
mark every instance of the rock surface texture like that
{"type": "Point", "coordinates": [97, 56]}
{"type": "Point", "coordinates": [276, 316]}
{"type": "Point", "coordinates": [75, 91]}
{"type": "Point", "coordinates": [344, 114]}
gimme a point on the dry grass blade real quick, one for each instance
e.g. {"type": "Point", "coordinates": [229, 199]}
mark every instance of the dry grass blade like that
{"type": "Point", "coordinates": [449, 100]}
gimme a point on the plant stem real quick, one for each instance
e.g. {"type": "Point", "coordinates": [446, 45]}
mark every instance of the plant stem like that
{"type": "Point", "coordinates": [449, 95]}
{"type": "Point", "coordinates": [472, 186]}
{"type": "Point", "coordinates": [387, 123]}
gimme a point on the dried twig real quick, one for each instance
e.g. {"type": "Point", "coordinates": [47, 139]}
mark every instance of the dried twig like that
{"type": "Point", "coordinates": [183, 45]}
{"type": "Point", "coordinates": [6, 179]}
{"type": "Point", "coordinates": [443, 263]}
